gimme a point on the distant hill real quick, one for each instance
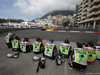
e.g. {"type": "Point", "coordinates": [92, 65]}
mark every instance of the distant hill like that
{"type": "Point", "coordinates": [63, 12]}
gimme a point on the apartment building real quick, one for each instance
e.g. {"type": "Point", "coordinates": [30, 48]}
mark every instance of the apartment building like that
{"type": "Point", "coordinates": [76, 20]}
{"type": "Point", "coordinates": [88, 15]}
{"type": "Point", "coordinates": [54, 21]}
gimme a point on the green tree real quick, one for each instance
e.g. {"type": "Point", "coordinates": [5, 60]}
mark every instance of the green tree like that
{"type": "Point", "coordinates": [66, 23]}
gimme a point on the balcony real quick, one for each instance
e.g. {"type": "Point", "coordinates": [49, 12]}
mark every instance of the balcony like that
{"type": "Point", "coordinates": [97, 12]}
{"type": "Point", "coordinates": [80, 9]}
{"type": "Point", "coordinates": [84, 13]}
{"type": "Point", "coordinates": [87, 20]}
{"type": "Point", "coordinates": [94, 1]}
{"type": "Point", "coordinates": [86, 5]}
{"type": "Point", "coordinates": [78, 19]}
{"type": "Point", "coordinates": [80, 6]}
{"type": "Point", "coordinates": [98, 18]}
{"type": "Point", "coordinates": [83, 17]}
{"type": "Point", "coordinates": [91, 14]}
{"type": "Point", "coordinates": [79, 15]}
{"type": "Point", "coordinates": [84, 10]}
{"type": "Point", "coordinates": [94, 7]}
{"type": "Point", "coordinates": [85, 1]}
{"type": "Point", "coordinates": [94, 13]}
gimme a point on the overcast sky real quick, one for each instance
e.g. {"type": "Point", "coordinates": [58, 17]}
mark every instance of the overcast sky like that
{"type": "Point", "coordinates": [23, 9]}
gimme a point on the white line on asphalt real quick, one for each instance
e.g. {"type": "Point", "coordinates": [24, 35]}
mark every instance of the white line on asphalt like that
{"type": "Point", "coordinates": [89, 31]}
{"type": "Point", "coordinates": [72, 31]}
{"type": "Point", "coordinates": [93, 73]}
{"type": "Point", "coordinates": [61, 31]}
{"type": "Point", "coordinates": [75, 31]}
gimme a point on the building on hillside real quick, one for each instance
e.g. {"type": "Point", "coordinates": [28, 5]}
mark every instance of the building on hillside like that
{"type": "Point", "coordinates": [60, 22]}
{"type": "Point", "coordinates": [54, 22]}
